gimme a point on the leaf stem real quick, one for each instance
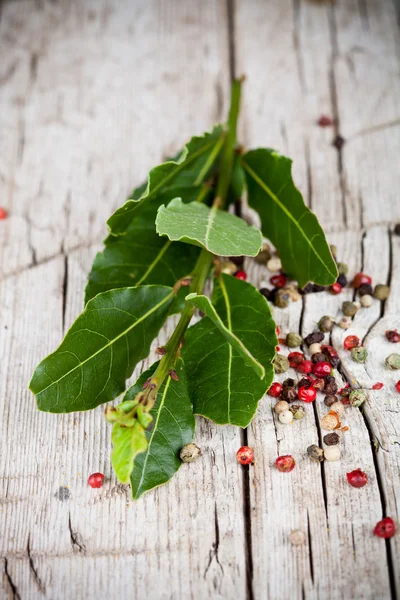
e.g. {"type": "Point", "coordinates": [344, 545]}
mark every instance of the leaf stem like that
{"type": "Point", "coordinates": [203, 264]}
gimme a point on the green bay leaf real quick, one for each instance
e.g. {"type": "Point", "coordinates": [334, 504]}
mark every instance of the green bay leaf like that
{"type": "Point", "coordinates": [101, 349]}
{"type": "Point", "coordinates": [285, 219]}
{"type": "Point", "coordinates": [216, 230]}
{"type": "Point", "coordinates": [173, 428]}
{"type": "Point", "coordinates": [190, 169]}
{"type": "Point", "coordinates": [203, 303]}
{"type": "Point", "coordinates": [221, 385]}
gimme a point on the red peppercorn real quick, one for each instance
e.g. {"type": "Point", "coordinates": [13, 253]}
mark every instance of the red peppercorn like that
{"type": "Point", "coordinates": [325, 121]}
{"type": "Point", "coordinates": [393, 336]}
{"type": "Point", "coordinates": [285, 464]}
{"type": "Point", "coordinates": [377, 386]}
{"type": "Point", "coordinates": [3, 213]}
{"type": "Point", "coordinates": [329, 350]}
{"type": "Point", "coordinates": [241, 275]}
{"type": "Point", "coordinates": [275, 389]}
{"type": "Point", "coordinates": [350, 342]}
{"type": "Point", "coordinates": [322, 369]}
{"type": "Point", "coordinates": [397, 386]}
{"type": "Point", "coordinates": [336, 288]}
{"type": "Point", "coordinates": [245, 455]}
{"type": "Point", "coordinates": [360, 279]}
{"type": "Point", "coordinates": [295, 359]}
{"type": "Point", "coordinates": [305, 367]}
{"type": "Point", "coordinates": [95, 480]}
{"type": "Point", "coordinates": [357, 478]}
{"type": "Point", "coordinates": [385, 528]}
{"type": "Point", "coordinates": [279, 280]}
{"type": "Point", "coordinates": [307, 394]}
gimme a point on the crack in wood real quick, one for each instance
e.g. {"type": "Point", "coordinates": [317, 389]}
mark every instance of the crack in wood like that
{"type": "Point", "coordinates": [64, 292]}
{"type": "Point", "coordinates": [13, 587]}
{"type": "Point", "coordinates": [33, 569]}
{"type": "Point", "coordinates": [76, 539]}
{"type": "Point", "coordinates": [214, 551]}
{"type": "Point", "coordinates": [310, 553]}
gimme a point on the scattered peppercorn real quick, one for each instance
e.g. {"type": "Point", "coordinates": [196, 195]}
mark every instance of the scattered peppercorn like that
{"type": "Point", "coordinates": [325, 121]}
{"type": "Point", "coordinates": [357, 397]}
{"type": "Point", "coordinates": [329, 400]}
{"type": "Point", "coordinates": [3, 213]}
{"type": "Point", "coordinates": [285, 464]}
{"type": "Point", "coordinates": [190, 453]}
{"type": "Point", "coordinates": [361, 279]}
{"type": "Point", "coordinates": [245, 455]}
{"type": "Point", "coordinates": [314, 338]}
{"type": "Point", "coordinates": [338, 142]}
{"type": "Point", "coordinates": [305, 367]}
{"type": "Point", "coordinates": [345, 322]}
{"type": "Point", "coordinates": [326, 324]}
{"type": "Point", "coordinates": [289, 394]}
{"type": "Point", "coordinates": [392, 362]}
{"type": "Point", "coordinates": [238, 260]}
{"type": "Point", "coordinates": [393, 336]}
{"type": "Point", "coordinates": [381, 292]}
{"type": "Point", "coordinates": [357, 478]}
{"type": "Point", "coordinates": [297, 411]}
{"type": "Point", "coordinates": [305, 381]}
{"type": "Point", "coordinates": [331, 388]}
{"type": "Point", "coordinates": [96, 480]}
{"type": "Point", "coordinates": [322, 369]}
{"type": "Point", "coordinates": [336, 288]}
{"type": "Point", "coordinates": [281, 406]}
{"type": "Point", "coordinates": [349, 308]}
{"type": "Point", "coordinates": [278, 281]}
{"type": "Point", "coordinates": [397, 386]}
{"type": "Point", "coordinates": [329, 351]}
{"type": "Point", "coordinates": [315, 453]}
{"type": "Point", "coordinates": [293, 340]}
{"type": "Point", "coordinates": [295, 358]}
{"type": "Point", "coordinates": [385, 528]}
{"type": "Point", "coordinates": [308, 289]}
{"type": "Point", "coordinates": [318, 357]}
{"type": "Point", "coordinates": [275, 389]}
{"type": "Point", "coordinates": [330, 421]}
{"type": "Point", "coordinates": [377, 386]}
{"type": "Point", "coordinates": [318, 288]}
{"type": "Point", "coordinates": [307, 394]}
{"type": "Point", "coordinates": [315, 348]}
{"type": "Point", "coordinates": [274, 264]}
{"type": "Point", "coordinates": [282, 298]}
{"type": "Point", "coordinates": [241, 275]}
{"type": "Point", "coordinates": [289, 382]}
{"type": "Point", "coordinates": [342, 268]}
{"type": "Point", "coordinates": [286, 417]}
{"type": "Point", "coordinates": [332, 453]}
{"type": "Point", "coordinates": [350, 342]}
{"type": "Point", "coordinates": [319, 384]}
{"type": "Point", "coordinates": [359, 354]}
{"type": "Point", "coordinates": [331, 439]}
{"type": "Point", "coordinates": [229, 267]}
{"type": "Point", "coordinates": [280, 363]}
{"type": "Point", "coordinates": [364, 289]}
{"type": "Point", "coordinates": [366, 301]}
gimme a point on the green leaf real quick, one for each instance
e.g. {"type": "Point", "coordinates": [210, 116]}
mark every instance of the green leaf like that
{"type": "Point", "coordinates": [101, 349]}
{"type": "Point", "coordinates": [141, 257]}
{"type": "Point", "coordinates": [190, 169]}
{"type": "Point", "coordinates": [127, 442]}
{"type": "Point", "coordinates": [218, 231]}
{"type": "Point", "coordinates": [203, 303]}
{"type": "Point", "coordinates": [285, 219]}
{"type": "Point", "coordinates": [222, 386]}
{"type": "Point", "coordinates": [173, 428]}
{"type": "Point", "coordinates": [237, 182]}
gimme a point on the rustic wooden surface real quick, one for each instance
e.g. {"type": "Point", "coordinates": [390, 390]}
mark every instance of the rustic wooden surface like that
{"type": "Point", "coordinates": [92, 94]}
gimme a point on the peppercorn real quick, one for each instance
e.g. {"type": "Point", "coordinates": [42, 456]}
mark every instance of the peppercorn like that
{"type": "Point", "coordinates": [338, 142]}
{"type": "Point", "coordinates": [241, 275]}
{"type": "Point", "coordinates": [274, 264]}
{"type": "Point", "coordinates": [319, 384]}
{"type": "Point", "coordinates": [361, 279]}
{"type": "Point", "coordinates": [381, 292]}
{"type": "Point", "coordinates": [318, 288]}
{"type": "Point", "coordinates": [305, 367]}
{"type": "Point", "coordinates": [385, 528]}
{"type": "Point", "coordinates": [297, 411]}
{"type": "Point", "coordinates": [238, 260]}
{"type": "Point", "coordinates": [293, 291]}
{"type": "Point", "coordinates": [359, 354]}
{"type": "Point", "coordinates": [282, 298]}
{"type": "Point", "coordinates": [308, 289]}
{"type": "Point", "coordinates": [293, 340]}
{"type": "Point", "coordinates": [322, 368]}
{"type": "Point", "coordinates": [366, 301]}
{"type": "Point", "coordinates": [315, 348]}
{"type": "Point", "coordinates": [397, 386]}
{"type": "Point", "coordinates": [330, 421]}
{"type": "Point", "coordinates": [335, 361]}
{"type": "Point", "coordinates": [330, 400]}
{"type": "Point", "coordinates": [263, 257]}
{"type": "Point", "coordinates": [338, 408]}
{"type": "Point", "coordinates": [336, 288]}
{"type": "Point", "coordinates": [289, 382]}
{"type": "Point", "coordinates": [285, 464]}
{"type": "Point", "coordinates": [268, 294]}
{"type": "Point", "coordinates": [286, 417]}
{"type": "Point", "coordinates": [357, 478]}
{"type": "Point", "coordinates": [342, 268]}
{"type": "Point", "coordinates": [228, 267]}
{"type": "Point", "coordinates": [297, 537]}
{"type": "Point", "coordinates": [314, 338]}
{"type": "Point", "coordinates": [331, 439]}
{"type": "Point", "coordinates": [289, 394]}
{"type": "Point", "coordinates": [245, 455]}
{"type": "Point", "coordinates": [95, 480]}
{"type": "Point", "coordinates": [295, 358]}
{"type": "Point", "coordinates": [281, 363]}
{"type": "Point", "coordinates": [345, 322]}
{"type": "Point", "coordinates": [349, 308]}
{"type": "Point", "coordinates": [392, 362]}
{"type": "Point", "coordinates": [393, 336]}
{"type": "Point", "coordinates": [331, 388]}
{"type": "Point", "coordinates": [315, 453]}
{"type": "Point", "coordinates": [275, 389]}
{"type": "Point", "coordinates": [318, 357]}
{"type": "Point", "coordinates": [307, 394]}
{"type": "Point", "coordinates": [281, 406]}
{"type": "Point", "coordinates": [332, 453]}
{"type": "Point", "coordinates": [351, 341]}
{"type": "Point", "coordinates": [357, 397]}
{"type": "Point", "coordinates": [190, 453]}
{"type": "Point", "coordinates": [377, 386]}
{"type": "Point", "coordinates": [342, 280]}
{"type": "Point", "coordinates": [326, 324]}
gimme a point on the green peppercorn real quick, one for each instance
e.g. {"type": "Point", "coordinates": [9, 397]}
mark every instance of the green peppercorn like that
{"type": "Point", "coordinates": [349, 308]}
{"type": "Point", "coordinates": [315, 453]}
{"type": "Point", "coordinates": [298, 411]}
{"type": "Point", "coordinates": [326, 324]}
{"type": "Point", "coordinates": [282, 299]}
{"type": "Point", "coordinates": [359, 354]}
{"type": "Point", "coordinates": [342, 268]}
{"type": "Point", "coordinates": [357, 397]}
{"type": "Point", "coordinates": [392, 362]}
{"type": "Point", "coordinates": [281, 363]}
{"type": "Point", "coordinates": [293, 340]}
{"type": "Point", "coordinates": [381, 291]}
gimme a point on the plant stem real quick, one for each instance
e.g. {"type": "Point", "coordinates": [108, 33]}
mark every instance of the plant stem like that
{"type": "Point", "coordinates": [203, 264]}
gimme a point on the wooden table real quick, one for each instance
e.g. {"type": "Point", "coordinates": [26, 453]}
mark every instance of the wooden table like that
{"type": "Point", "coordinates": [92, 94]}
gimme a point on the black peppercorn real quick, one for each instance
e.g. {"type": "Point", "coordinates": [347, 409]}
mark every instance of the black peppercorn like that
{"type": "Point", "coordinates": [329, 400]}
{"type": "Point", "coordinates": [308, 289]}
{"type": "Point", "coordinates": [314, 338]}
{"type": "Point", "coordinates": [289, 382]}
{"type": "Point", "coordinates": [289, 394]}
{"type": "Point", "coordinates": [318, 288]}
{"type": "Point", "coordinates": [331, 388]}
{"type": "Point", "coordinates": [304, 382]}
{"type": "Point", "coordinates": [342, 280]}
{"type": "Point", "coordinates": [319, 384]}
{"type": "Point", "coordinates": [331, 439]}
{"type": "Point", "coordinates": [318, 357]}
{"type": "Point", "coordinates": [335, 361]}
{"type": "Point", "coordinates": [268, 294]}
{"type": "Point", "coordinates": [364, 289]}
{"type": "Point", "coordinates": [237, 260]}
